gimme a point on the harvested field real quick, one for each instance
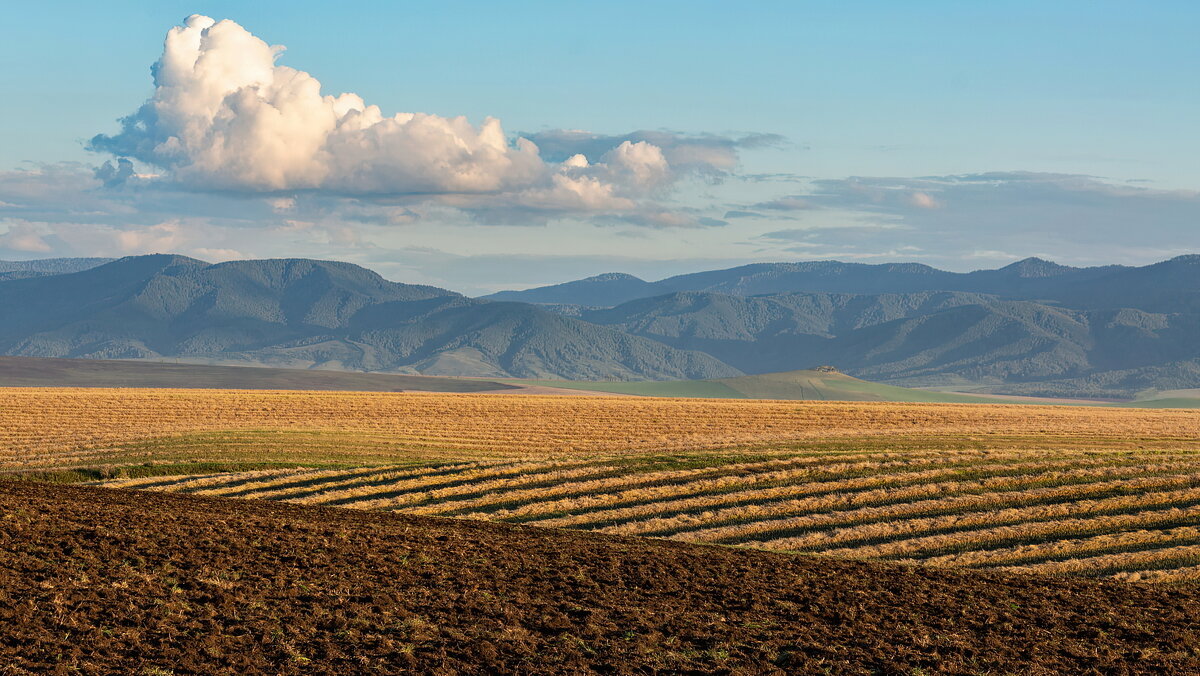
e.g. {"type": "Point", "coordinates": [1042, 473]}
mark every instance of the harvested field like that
{"type": "Point", "coordinates": [108, 581]}
{"type": "Point", "coordinates": [978, 509]}
{"type": "Point", "coordinates": [1108, 493]}
{"type": "Point", "coordinates": [47, 427]}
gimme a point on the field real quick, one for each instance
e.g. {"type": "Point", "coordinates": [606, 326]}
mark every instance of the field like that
{"type": "Point", "coordinates": [1106, 493]}
{"type": "Point", "coordinates": [102, 581]}
{"type": "Point", "coordinates": [814, 385]}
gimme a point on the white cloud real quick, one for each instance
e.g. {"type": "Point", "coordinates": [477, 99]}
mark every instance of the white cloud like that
{"type": "Point", "coordinates": [922, 200]}
{"type": "Point", "coordinates": [641, 164]}
{"type": "Point", "coordinates": [708, 155]}
{"type": "Point", "coordinates": [219, 255]}
{"type": "Point", "coordinates": [164, 237]}
{"type": "Point", "coordinates": [225, 116]}
{"type": "Point", "coordinates": [25, 238]}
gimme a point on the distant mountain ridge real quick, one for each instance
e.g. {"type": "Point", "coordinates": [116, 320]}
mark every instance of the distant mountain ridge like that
{"type": "Point", "coordinates": [1028, 279]}
{"type": "Point", "coordinates": [47, 266]}
{"type": "Point", "coordinates": [314, 314]}
{"type": "Point", "coordinates": [1033, 327]}
{"type": "Point", "coordinates": [928, 338]}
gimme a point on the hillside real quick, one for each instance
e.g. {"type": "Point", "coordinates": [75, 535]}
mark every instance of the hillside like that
{"type": "Point", "coordinates": [304, 313]}
{"type": "Point", "coordinates": [199, 585]}
{"type": "Point", "coordinates": [929, 339]}
{"type": "Point", "coordinates": [41, 372]}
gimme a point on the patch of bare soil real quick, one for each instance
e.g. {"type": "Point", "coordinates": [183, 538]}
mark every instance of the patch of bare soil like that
{"type": "Point", "coordinates": [108, 581]}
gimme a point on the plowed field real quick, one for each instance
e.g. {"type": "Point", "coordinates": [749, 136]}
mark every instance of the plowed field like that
{"type": "Point", "coordinates": [1105, 493]}
{"type": "Point", "coordinates": [110, 581]}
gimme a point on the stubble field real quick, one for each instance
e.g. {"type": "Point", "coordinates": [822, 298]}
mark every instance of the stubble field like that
{"type": "Point", "coordinates": [1108, 493]}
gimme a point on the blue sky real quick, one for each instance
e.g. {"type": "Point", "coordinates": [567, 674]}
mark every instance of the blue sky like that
{"type": "Point", "coordinates": [959, 134]}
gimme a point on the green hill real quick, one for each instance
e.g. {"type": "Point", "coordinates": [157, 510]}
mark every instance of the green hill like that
{"type": "Point", "coordinates": [827, 385]}
{"type": "Point", "coordinates": [1166, 399]}
{"type": "Point", "coordinates": [1170, 402]}
{"type": "Point", "coordinates": [813, 384]}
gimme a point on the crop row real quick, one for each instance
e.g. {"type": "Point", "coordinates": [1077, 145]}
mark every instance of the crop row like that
{"type": "Point", "coordinates": [1133, 515]}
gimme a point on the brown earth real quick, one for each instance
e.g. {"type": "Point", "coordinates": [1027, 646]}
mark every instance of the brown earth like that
{"type": "Point", "coordinates": [108, 581]}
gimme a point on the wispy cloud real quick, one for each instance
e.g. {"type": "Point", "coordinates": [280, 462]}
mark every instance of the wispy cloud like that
{"type": "Point", "coordinates": [1070, 217]}
{"type": "Point", "coordinates": [710, 155]}
{"type": "Point", "coordinates": [788, 203]}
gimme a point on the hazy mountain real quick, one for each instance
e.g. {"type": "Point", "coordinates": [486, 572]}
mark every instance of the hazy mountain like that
{"type": "Point", "coordinates": [604, 290]}
{"type": "Point", "coordinates": [54, 266]}
{"type": "Point", "coordinates": [314, 314]}
{"type": "Point", "coordinates": [1032, 327]}
{"type": "Point", "coordinates": [1169, 286]}
{"type": "Point", "coordinates": [47, 266]}
{"type": "Point", "coordinates": [1155, 287]}
{"type": "Point", "coordinates": [924, 338]}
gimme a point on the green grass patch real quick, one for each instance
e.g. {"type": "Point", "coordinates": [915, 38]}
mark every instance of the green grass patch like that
{"type": "Point", "coordinates": [704, 389]}
{"type": "Point", "coordinates": [1173, 402]}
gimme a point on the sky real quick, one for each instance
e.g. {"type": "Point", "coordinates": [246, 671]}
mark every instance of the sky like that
{"type": "Point", "coordinates": [483, 146]}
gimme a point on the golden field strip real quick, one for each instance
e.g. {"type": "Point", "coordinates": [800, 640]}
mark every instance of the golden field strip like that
{"type": "Point", "coordinates": [1069, 490]}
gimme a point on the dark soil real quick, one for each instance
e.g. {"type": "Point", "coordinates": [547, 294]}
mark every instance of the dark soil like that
{"type": "Point", "coordinates": [106, 581]}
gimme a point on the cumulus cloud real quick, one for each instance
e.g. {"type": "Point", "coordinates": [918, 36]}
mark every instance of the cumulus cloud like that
{"type": "Point", "coordinates": [226, 117]}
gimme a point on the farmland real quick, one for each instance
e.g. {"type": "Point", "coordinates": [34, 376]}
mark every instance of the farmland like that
{"type": "Point", "coordinates": [809, 385]}
{"type": "Point", "coordinates": [111, 581]}
{"type": "Point", "coordinates": [1112, 493]}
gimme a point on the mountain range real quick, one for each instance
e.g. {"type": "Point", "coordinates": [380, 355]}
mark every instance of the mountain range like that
{"type": "Point", "coordinates": [305, 313]}
{"type": "Point", "coordinates": [1033, 327]}
{"type": "Point", "coordinates": [1160, 287]}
